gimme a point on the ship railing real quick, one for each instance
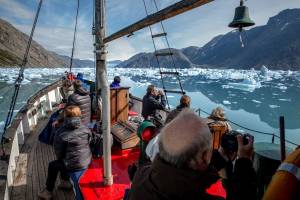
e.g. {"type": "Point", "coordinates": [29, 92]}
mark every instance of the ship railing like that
{"type": "Point", "coordinates": [272, 135]}
{"type": "Point", "coordinates": [24, 123]}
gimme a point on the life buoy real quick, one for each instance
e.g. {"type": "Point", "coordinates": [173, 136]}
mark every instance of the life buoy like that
{"type": "Point", "coordinates": [285, 183]}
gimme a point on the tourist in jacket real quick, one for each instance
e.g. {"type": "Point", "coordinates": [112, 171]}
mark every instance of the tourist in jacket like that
{"type": "Point", "coordinates": [218, 116]}
{"type": "Point", "coordinates": [182, 168]}
{"type": "Point", "coordinates": [185, 102]}
{"type": "Point", "coordinates": [153, 100]}
{"type": "Point", "coordinates": [81, 98]}
{"type": "Point", "coordinates": [72, 149]}
{"type": "Point", "coordinates": [116, 82]}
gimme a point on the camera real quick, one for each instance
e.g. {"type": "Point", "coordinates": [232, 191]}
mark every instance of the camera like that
{"type": "Point", "coordinates": [229, 141]}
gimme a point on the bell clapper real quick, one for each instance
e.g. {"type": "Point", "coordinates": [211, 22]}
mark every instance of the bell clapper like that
{"type": "Point", "coordinates": [241, 38]}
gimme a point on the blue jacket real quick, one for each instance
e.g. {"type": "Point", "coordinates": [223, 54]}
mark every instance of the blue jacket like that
{"type": "Point", "coordinates": [115, 85]}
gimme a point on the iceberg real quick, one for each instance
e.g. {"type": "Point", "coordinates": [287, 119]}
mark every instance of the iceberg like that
{"type": "Point", "coordinates": [225, 102]}
{"type": "Point", "coordinates": [1, 126]}
{"type": "Point", "coordinates": [249, 84]}
{"type": "Point", "coordinates": [274, 106]}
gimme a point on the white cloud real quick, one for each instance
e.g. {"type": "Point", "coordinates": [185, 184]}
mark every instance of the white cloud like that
{"type": "Point", "coordinates": [60, 40]}
{"type": "Point", "coordinates": [120, 50]}
{"type": "Point", "coordinates": [16, 9]}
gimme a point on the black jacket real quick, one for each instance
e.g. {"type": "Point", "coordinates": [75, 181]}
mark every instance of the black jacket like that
{"type": "Point", "coordinates": [151, 104]}
{"type": "Point", "coordinates": [161, 181]}
{"type": "Point", "coordinates": [174, 113]}
{"type": "Point", "coordinates": [71, 144]}
{"type": "Point", "coordinates": [81, 98]}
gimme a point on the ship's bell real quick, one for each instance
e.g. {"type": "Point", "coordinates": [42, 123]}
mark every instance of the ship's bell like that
{"type": "Point", "coordinates": [241, 17]}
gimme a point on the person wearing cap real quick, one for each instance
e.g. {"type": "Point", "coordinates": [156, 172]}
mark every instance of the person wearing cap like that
{"type": "Point", "coordinates": [85, 83]}
{"type": "Point", "coordinates": [116, 82]}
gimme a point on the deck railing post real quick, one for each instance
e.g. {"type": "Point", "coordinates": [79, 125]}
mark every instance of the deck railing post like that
{"type": "Point", "coordinates": [20, 132]}
{"type": "Point", "coordinates": [48, 100]}
{"type": "Point", "coordinates": [282, 137]}
{"type": "Point", "coordinates": [25, 122]}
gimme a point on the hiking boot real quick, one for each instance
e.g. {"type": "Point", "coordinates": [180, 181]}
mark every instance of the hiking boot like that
{"type": "Point", "coordinates": [65, 185]}
{"type": "Point", "coordinates": [45, 194]}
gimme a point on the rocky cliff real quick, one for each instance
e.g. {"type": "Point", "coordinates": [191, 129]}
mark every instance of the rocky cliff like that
{"type": "Point", "coordinates": [12, 47]}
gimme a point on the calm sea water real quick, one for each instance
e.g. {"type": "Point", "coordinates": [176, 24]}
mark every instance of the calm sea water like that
{"type": "Point", "coordinates": [253, 99]}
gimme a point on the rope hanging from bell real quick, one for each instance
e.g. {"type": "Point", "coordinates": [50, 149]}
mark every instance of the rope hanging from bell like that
{"type": "Point", "coordinates": [241, 20]}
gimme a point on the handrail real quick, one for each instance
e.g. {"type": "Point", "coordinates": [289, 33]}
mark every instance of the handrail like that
{"type": "Point", "coordinates": [198, 110]}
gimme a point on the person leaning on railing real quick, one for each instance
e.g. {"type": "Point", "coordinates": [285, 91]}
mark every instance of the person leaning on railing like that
{"type": "Point", "coordinates": [182, 169]}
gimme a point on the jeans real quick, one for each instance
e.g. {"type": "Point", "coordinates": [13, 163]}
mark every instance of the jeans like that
{"type": "Point", "coordinates": [53, 168]}
{"type": "Point", "coordinates": [75, 176]}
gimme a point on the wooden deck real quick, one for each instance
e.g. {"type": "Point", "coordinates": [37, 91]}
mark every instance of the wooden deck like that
{"type": "Point", "coordinates": [31, 172]}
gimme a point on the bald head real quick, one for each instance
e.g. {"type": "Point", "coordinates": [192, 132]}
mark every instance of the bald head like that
{"type": "Point", "coordinates": [183, 138]}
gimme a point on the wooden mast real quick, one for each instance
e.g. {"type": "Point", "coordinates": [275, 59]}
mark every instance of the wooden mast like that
{"type": "Point", "coordinates": [102, 85]}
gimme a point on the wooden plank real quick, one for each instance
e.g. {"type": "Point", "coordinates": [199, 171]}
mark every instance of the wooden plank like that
{"type": "Point", "coordinates": [20, 179]}
{"type": "Point", "coordinates": [35, 177]}
{"type": "Point", "coordinates": [166, 13]}
{"type": "Point", "coordinates": [29, 186]}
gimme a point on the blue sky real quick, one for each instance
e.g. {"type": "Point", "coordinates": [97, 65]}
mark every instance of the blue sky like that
{"type": "Point", "coordinates": [194, 28]}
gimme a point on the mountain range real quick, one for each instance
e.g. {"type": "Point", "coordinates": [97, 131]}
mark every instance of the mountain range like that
{"type": "Point", "coordinates": [276, 45]}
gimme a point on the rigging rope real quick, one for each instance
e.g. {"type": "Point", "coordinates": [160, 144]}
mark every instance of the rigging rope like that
{"type": "Point", "coordinates": [248, 129]}
{"type": "Point", "coordinates": [155, 49]}
{"type": "Point", "coordinates": [169, 48]}
{"type": "Point", "coordinates": [74, 36]}
{"type": "Point", "coordinates": [19, 79]}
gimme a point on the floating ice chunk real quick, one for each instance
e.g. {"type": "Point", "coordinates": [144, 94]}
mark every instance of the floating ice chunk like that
{"type": "Point", "coordinates": [1, 126]}
{"type": "Point", "coordinates": [25, 82]}
{"type": "Point", "coordinates": [33, 76]}
{"type": "Point", "coordinates": [226, 86]}
{"type": "Point", "coordinates": [225, 102]}
{"type": "Point", "coordinates": [256, 101]}
{"type": "Point", "coordinates": [248, 84]}
{"type": "Point", "coordinates": [283, 87]}
{"type": "Point", "coordinates": [287, 100]}
{"type": "Point", "coordinates": [170, 96]}
{"type": "Point", "coordinates": [264, 70]}
{"type": "Point", "coordinates": [10, 81]}
{"type": "Point", "coordinates": [1, 97]}
{"type": "Point", "coordinates": [274, 106]}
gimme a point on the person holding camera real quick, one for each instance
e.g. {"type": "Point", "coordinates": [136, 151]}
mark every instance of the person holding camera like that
{"type": "Point", "coordinates": [153, 101]}
{"type": "Point", "coordinates": [224, 158]}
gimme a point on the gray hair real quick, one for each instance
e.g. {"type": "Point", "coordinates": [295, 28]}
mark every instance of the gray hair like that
{"type": "Point", "coordinates": [200, 142]}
